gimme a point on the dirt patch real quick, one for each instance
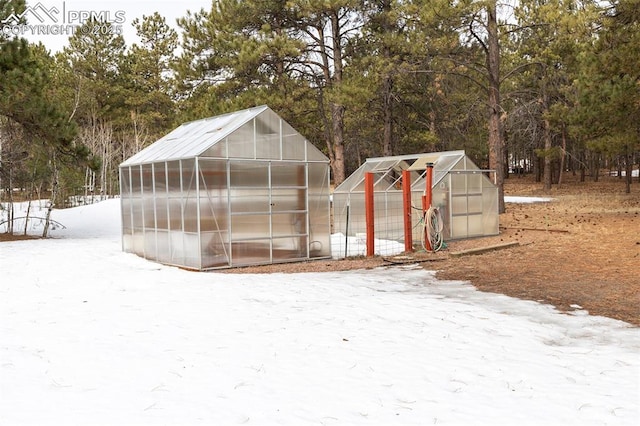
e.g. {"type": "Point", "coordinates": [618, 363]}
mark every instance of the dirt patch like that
{"type": "Point", "coordinates": [594, 263]}
{"type": "Point", "coordinates": [9, 237]}
{"type": "Point", "coordinates": [580, 250]}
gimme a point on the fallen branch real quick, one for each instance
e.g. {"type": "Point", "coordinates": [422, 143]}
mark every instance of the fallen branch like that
{"type": "Point", "coordinates": [401, 260]}
{"type": "Point", "coordinates": [55, 222]}
{"type": "Point", "coordinates": [534, 229]}
{"type": "Point", "coordinates": [481, 250]}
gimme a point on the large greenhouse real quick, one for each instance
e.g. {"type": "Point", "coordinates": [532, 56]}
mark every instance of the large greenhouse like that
{"type": "Point", "coordinates": [238, 189]}
{"type": "Point", "coordinates": [465, 196]}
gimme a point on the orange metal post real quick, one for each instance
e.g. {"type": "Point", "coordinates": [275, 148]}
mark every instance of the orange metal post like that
{"type": "Point", "coordinates": [429, 190]}
{"type": "Point", "coordinates": [426, 202]}
{"type": "Point", "coordinates": [406, 204]}
{"type": "Point", "coordinates": [368, 205]}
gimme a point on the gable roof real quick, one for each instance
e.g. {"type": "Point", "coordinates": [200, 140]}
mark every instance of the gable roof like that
{"type": "Point", "coordinates": [194, 138]}
{"type": "Point", "coordinates": [390, 169]}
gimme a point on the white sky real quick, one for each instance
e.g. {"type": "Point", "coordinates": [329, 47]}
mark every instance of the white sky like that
{"type": "Point", "coordinates": [171, 10]}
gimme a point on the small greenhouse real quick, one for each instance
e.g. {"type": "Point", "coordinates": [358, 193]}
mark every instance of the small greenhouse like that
{"type": "Point", "coordinates": [466, 198]}
{"type": "Point", "coordinates": [238, 189]}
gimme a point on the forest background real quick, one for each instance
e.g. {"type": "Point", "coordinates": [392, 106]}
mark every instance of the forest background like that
{"type": "Point", "coordinates": [530, 86]}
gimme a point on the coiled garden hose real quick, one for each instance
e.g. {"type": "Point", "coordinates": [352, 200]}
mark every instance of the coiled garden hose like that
{"type": "Point", "coordinates": [432, 229]}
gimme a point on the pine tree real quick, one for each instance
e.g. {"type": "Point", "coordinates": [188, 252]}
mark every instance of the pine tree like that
{"type": "Point", "coordinates": [149, 80]}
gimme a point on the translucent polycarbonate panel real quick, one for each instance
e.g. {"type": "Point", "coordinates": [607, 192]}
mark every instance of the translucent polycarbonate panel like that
{"type": "Point", "coordinates": [458, 183]}
{"type": "Point", "coordinates": [319, 210]}
{"type": "Point", "coordinates": [390, 180]}
{"type": "Point", "coordinates": [474, 183]}
{"type": "Point", "coordinates": [215, 249]}
{"type": "Point", "coordinates": [218, 150]}
{"type": "Point", "coordinates": [450, 162]}
{"type": "Point", "coordinates": [191, 251]}
{"type": "Point", "coordinates": [268, 136]}
{"type": "Point", "coordinates": [162, 214]}
{"type": "Point", "coordinates": [251, 252]}
{"type": "Point", "coordinates": [175, 214]}
{"type": "Point", "coordinates": [127, 243]}
{"type": "Point", "coordinates": [440, 200]}
{"type": "Point", "coordinates": [125, 206]}
{"type": "Point", "coordinates": [438, 177]}
{"type": "Point", "coordinates": [160, 178]}
{"type": "Point", "coordinates": [440, 197]}
{"type": "Point", "coordinates": [340, 213]}
{"type": "Point", "coordinates": [470, 165]}
{"type": "Point", "coordinates": [193, 138]}
{"type": "Point", "coordinates": [354, 182]}
{"type": "Point", "coordinates": [382, 165]}
{"type": "Point", "coordinates": [487, 183]}
{"type": "Point", "coordinates": [318, 179]}
{"type": "Point", "coordinates": [490, 200]}
{"type": "Point", "coordinates": [136, 213]}
{"type": "Point", "coordinates": [268, 147]}
{"type": "Point", "coordinates": [249, 174]}
{"type": "Point", "coordinates": [150, 244]}
{"type": "Point", "coordinates": [250, 226]}
{"type": "Point", "coordinates": [176, 242]}
{"type": "Point", "coordinates": [475, 225]}
{"type": "Point", "coordinates": [138, 242]}
{"type": "Point", "coordinates": [125, 184]}
{"type": "Point", "coordinates": [289, 248]}
{"type": "Point", "coordinates": [213, 175]}
{"type": "Point", "coordinates": [459, 204]}
{"type": "Point", "coordinates": [188, 178]}
{"type": "Point", "coordinates": [136, 182]}
{"type": "Point", "coordinates": [149, 212]}
{"type": "Point", "coordinates": [190, 210]}
{"type": "Point", "coordinates": [147, 179]}
{"type": "Point", "coordinates": [283, 199]}
{"type": "Point", "coordinates": [185, 250]}
{"type": "Point", "coordinates": [250, 201]}
{"type": "Point", "coordinates": [288, 174]}
{"type": "Point", "coordinates": [358, 186]}
{"type": "Point", "coordinates": [288, 224]}
{"type": "Point", "coordinates": [319, 226]}
{"type": "Point", "coordinates": [173, 174]}
{"type": "Point", "coordinates": [314, 154]}
{"type": "Point", "coordinates": [241, 143]}
{"type": "Point", "coordinates": [491, 218]}
{"type": "Point", "coordinates": [214, 201]}
{"type": "Point", "coordinates": [459, 227]}
{"type": "Point", "coordinates": [163, 247]}
{"type": "Point", "coordinates": [294, 145]}
{"type": "Point", "coordinates": [214, 214]}
{"type": "Point", "coordinates": [474, 204]}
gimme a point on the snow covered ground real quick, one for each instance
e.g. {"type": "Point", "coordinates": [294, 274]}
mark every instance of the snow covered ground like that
{"type": "Point", "coordinates": [526, 200]}
{"type": "Point", "coordinates": [92, 335]}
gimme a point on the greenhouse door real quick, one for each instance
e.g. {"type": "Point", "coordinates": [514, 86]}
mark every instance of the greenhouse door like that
{"type": "Point", "coordinates": [268, 209]}
{"type": "Point", "coordinates": [289, 211]}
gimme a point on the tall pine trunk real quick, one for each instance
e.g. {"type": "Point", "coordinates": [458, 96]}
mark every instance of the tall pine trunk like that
{"type": "Point", "coordinates": [54, 194]}
{"type": "Point", "coordinates": [496, 141]}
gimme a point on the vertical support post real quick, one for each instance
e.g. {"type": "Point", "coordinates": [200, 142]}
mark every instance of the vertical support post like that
{"type": "Point", "coordinates": [429, 189]}
{"type": "Point", "coordinates": [406, 204]}
{"type": "Point", "coordinates": [426, 204]}
{"type": "Point", "coordinates": [368, 205]}
{"type": "Point", "coordinates": [346, 232]}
